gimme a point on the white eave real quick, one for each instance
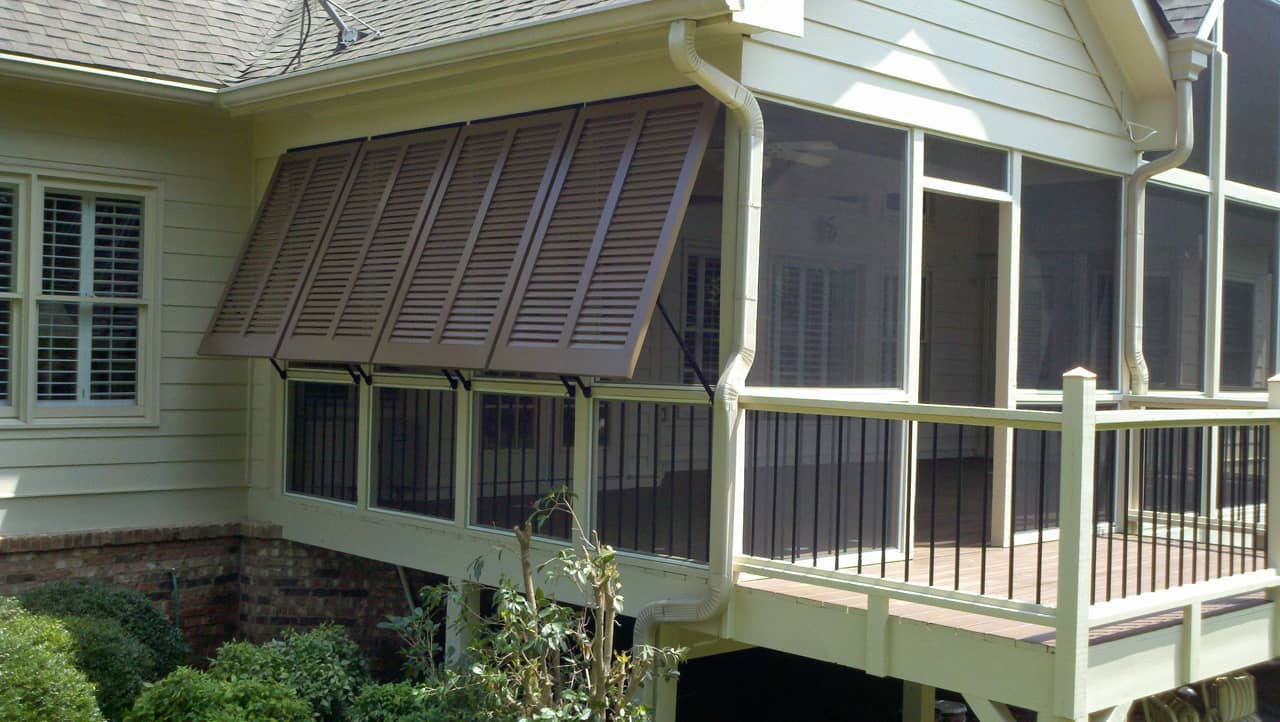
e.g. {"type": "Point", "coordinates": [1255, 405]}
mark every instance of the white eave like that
{"type": "Point", "coordinates": [744, 16]}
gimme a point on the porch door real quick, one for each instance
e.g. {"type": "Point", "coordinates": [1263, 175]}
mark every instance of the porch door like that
{"type": "Point", "coordinates": [957, 365]}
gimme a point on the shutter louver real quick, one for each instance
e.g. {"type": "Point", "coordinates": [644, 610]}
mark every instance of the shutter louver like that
{"type": "Point", "coordinates": [344, 303]}
{"type": "Point", "coordinates": [294, 215]}
{"type": "Point", "coordinates": [459, 281]}
{"type": "Point", "coordinates": [589, 287]}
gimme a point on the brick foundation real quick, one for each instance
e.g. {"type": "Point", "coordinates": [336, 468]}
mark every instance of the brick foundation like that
{"type": "Point", "coordinates": [240, 581]}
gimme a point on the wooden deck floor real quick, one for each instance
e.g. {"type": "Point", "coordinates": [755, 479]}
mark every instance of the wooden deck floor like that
{"type": "Point", "coordinates": [1035, 568]}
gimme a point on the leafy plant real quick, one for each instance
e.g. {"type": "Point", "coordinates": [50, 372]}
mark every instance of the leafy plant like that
{"type": "Point", "coordinates": [130, 609]}
{"type": "Point", "coordinates": [112, 660]}
{"type": "Point", "coordinates": [40, 680]}
{"type": "Point", "coordinates": [323, 666]}
{"type": "Point", "coordinates": [535, 659]}
{"type": "Point", "coordinates": [399, 702]}
{"type": "Point", "coordinates": [188, 695]}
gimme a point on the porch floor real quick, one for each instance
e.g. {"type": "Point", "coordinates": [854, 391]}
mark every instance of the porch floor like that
{"type": "Point", "coordinates": [1035, 567]}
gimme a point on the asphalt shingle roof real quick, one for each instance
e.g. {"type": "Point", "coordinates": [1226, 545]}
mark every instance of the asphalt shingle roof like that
{"type": "Point", "coordinates": [224, 42]}
{"type": "Point", "coordinates": [1182, 18]}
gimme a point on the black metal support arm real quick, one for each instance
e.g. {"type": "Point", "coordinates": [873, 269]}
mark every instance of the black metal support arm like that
{"type": "Point", "coordinates": [455, 377]}
{"type": "Point", "coordinates": [279, 370]}
{"type": "Point", "coordinates": [688, 355]}
{"type": "Point", "coordinates": [357, 375]}
{"type": "Point", "coordinates": [573, 383]}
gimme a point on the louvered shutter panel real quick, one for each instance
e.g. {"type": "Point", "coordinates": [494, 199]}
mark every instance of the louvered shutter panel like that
{"type": "Point", "coordinates": [449, 308]}
{"type": "Point", "coordinates": [344, 303]}
{"type": "Point", "coordinates": [597, 262]}
{"type": "Point", "coordinates": [294, 215]}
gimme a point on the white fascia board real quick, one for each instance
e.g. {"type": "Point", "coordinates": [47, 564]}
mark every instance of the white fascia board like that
{"type": "Point", "coordinates": [91, 78]}
{"type": "Point", "coordinates": [779, 16]}
{"type": "Point", "coordinates": [1137, 42]}
{"type": "Point", "coordinates": [531, 36]}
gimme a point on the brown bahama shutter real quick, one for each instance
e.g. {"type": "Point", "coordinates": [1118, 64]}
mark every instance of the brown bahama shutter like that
{"type": "Point", "coordinates": [344, 303]}
{"type": "Point", "coordinates": [589, 287]}
{"type": "Point", "coordinates": [294, 215]}
{"type": "Point", "coordinates": [449, 307]}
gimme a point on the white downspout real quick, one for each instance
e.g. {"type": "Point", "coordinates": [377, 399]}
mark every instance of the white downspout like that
{"type": "Point", "coordinates": [1187, 57]}
{"type": "Point", "coordinates": [726, 428]}
{"type": "Point", "coordinates": [1135, 237]}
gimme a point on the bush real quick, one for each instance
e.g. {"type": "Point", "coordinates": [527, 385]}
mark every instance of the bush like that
{"type": "Point", "coordinates": [131, 610]}
{"type": "Point", "coordinates": [324, 667]}
{"type": "Point", "coordinates": [192, 696]}
{"type": "Point", "coordinates": [399, 702]}
{"type": "Point", "coordinates": [112, 660]}
{"type": "Point", "coordinates": [41, 682]}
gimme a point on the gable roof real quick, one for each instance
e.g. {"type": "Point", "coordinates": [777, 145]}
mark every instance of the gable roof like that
{"type": "Point", "coordinates": [220, 43]}
{"type": "Point", "coordinates": [1182, 18]}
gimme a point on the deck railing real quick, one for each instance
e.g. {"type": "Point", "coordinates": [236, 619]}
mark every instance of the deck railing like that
{"type": "Point", "coordinates": [1132, 512]}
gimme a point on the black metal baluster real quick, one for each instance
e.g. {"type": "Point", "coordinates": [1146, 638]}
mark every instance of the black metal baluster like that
{"type": "Point", "coordinates": [1168, 517]}
{"type": "Point", "coordinates": [1013, 511]}
{"type": "Point", "coordinates": [1127, 484]}
{"type": "Point", "coordinates": [1256, 435]}
{"type": "Point", "coordinates": [933, 502]}
{"type": "Point", "coordinates": [817, 482]}
{"type": "Point", "coordinates": [754, 418]}
{"type": "Point", "coordinates": [619, 505]}
{"type": "Point", "coordinates": [773, 507]}
{"type": "Point", "coordinates": [1222, 490]}
{"type": "Point", "coordinates": [1044, 440]}
{"type": "Point", "coordinates": [795, 489]}
{"type": "Point", "coordinates": [1184, 448]}
{"type": "Point", "coordinates": [671, 488]}
{"type": "Point", "coordinates": [1197, 495]}
{"type": "Point", "coordinates": [884, 508]}
{"type": "Point", "coordinates": [657, 481]}
{"type": "Point", "coordinates": [959, 498]}
{"type": "Point", "coordinates": [862, 486]}
{"type": "Point", "coordinates": [985, 512]}
{"type": "Point", "coordinates": [688, 484]}
{"type": "Point", "coordinates": [1110, 501]}
{"type": "Point", "coordinates": [839, 512]}
{"type": "Point", "coordinates": [635, 509]}
{"type": "Point", "coordinates": [1142, 492]}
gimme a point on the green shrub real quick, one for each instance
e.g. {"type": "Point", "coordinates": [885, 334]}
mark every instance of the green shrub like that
{"type": "Point", "coordinates": [191, 696]}
{"type": "Point", "coordinates": [40, 680]}
{"type": "Point", "coordinates": [112, 659]}
{"type": "Point", "coordinates": [132, 610]}
{"type": "Point", "coordinates": [399, 702]}
{"type": "Point", "coordinates": [323, 666]}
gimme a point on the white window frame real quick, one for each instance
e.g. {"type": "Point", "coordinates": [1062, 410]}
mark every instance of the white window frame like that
{"type": "Point", "coordinates": [23, 410]}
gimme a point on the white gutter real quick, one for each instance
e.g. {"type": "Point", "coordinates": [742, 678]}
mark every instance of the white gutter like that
{"type": "Point", "coordinates": [727, 426]}
{"type": "Point", "coordinates": [1187, 57]}
{"type": "Point", "coordinates": [81, 76]}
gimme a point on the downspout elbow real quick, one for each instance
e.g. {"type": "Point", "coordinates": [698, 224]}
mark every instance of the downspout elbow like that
{"type": "Point", "coordinates": [1135, 235]}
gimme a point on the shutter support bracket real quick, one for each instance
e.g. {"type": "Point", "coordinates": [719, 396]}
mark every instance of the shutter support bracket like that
{"type": "Point", "coordinates": [455, 379]}
{"type": "Point", "coordinates": [279, 370]}
{"type": "Point", "coordinates": [358, 374]}
{"type": "Point", "coordinates": [569, 382]}
{"type": "Point", "coordinates": [688, 355]}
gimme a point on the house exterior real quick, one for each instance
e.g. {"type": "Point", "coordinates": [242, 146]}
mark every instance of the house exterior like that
{"type": "Point", "coordinates": [891, 334]}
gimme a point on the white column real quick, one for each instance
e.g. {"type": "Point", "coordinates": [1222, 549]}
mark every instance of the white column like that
{"type": "Point", "coordinates": [464, 405]}
{"type": "Point", "coordinates": [1071, 653]}
{"type": "Point", "coordinates": [460, 612]}
{"type": "Point", "coordinates": [584, 438]}
{"type": "Point", "coordinates": [917, 702]}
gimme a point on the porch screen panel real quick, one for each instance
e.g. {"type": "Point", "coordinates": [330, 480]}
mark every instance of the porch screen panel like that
{"type": "Point", "coordinates": [361, 261]}
{"type": "Point", "coordinates": [293, 217]}
{"type": "Point", "coordinates": [448, 310]}
{"type": "Point", "coordinates": [591, 282]}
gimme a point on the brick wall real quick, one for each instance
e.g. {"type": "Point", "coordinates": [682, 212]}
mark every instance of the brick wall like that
{"type": "Point", "coordinates": [234, 580]}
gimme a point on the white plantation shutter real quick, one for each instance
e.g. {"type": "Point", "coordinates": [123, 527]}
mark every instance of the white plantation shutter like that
{"type": "Point", "coordinates": [91, 251]}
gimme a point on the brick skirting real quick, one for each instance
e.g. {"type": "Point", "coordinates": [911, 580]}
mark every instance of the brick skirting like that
{"type": "Point", "coordinates": [235, 581]}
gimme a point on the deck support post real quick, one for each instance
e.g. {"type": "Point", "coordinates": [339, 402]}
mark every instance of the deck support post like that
{"type": "Point", "coordinates": [1071, 653]}
{"type": "Point", "coordinates": [987, 710]}
{"type": "Point", "coordinates": [1119, 713]}
{"type": "Point", "coordinates": [1273, 508]}
{"type": "Point", "coordinates": [460, 611]}
{"type": "Point", "coordinates": [917, 702]}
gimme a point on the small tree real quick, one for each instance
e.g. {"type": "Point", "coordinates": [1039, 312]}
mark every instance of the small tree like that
{"type": "Point", "coordinates": [535, 659]}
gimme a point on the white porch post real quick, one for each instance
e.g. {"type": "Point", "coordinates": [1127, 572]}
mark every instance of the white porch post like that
{"type": "Point", "coordinates": [917, 702]}
{"type": "Point", "coordinates": [1071, 653]}
{"type": "Point", "coordinates": [458, 613]}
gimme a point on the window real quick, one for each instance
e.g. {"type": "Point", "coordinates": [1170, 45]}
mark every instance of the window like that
{"type": "Point", "coordinates": [964, 163]}
{"type": "Point", "coordinates": [1248, 297]}
{"type": "Point", "coordinates": [1070, 260]}
{"type": "Point", "coordinates": [523, 452]}
{"type": "Point", "coordinates": [8, 196]}
{"type": "Point", "coordinates": [1253, 103]}
{"type": "Point", "coordinates": [324, 420]}
{"type": "Point", "coordinates": [832, 251]}
{"type": "Point", "coordinates": [1173, 306]}
{"type": "Point", "coordinates": [702, 315]}
{"type": "Point", "coordinates": [90, 279]}
{"type": "Point", "coordinates": [414, 457]}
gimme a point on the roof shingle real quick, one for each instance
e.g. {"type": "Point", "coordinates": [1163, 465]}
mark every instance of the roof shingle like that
{"type": "Point", "coordinates": [1182, 18]}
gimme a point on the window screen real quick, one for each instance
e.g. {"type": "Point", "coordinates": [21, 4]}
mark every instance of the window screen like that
{"type": "Point", "coordinates": [832, 251]}
{"type": "Point", "coordinates": [1173, 306]}
{"type": "Point", "coordinates": [1253, 92]}
{"type": "Point", "coordinates": [8, 223]}
{"type": "Point", "coordinates": [1248, 297]}
{"type": "Point", "coordinates": [965, 163]}
{"type": "Point", "coordinates": [414, 457]}
{"type": "Point", "coordinates": [91, 251]}
{"type": "Point", "coordinates": [1070, 263]}
{"type": "Point", "coordinates": [324, 423]}
{"type": "Point", "coordinates": [523, 452]}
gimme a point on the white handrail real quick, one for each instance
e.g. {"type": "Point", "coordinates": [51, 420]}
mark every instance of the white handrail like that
{"type": "Point", "coordinates": [838, 403]}
{"type": "Point", "coordinates": [1182, 418]}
